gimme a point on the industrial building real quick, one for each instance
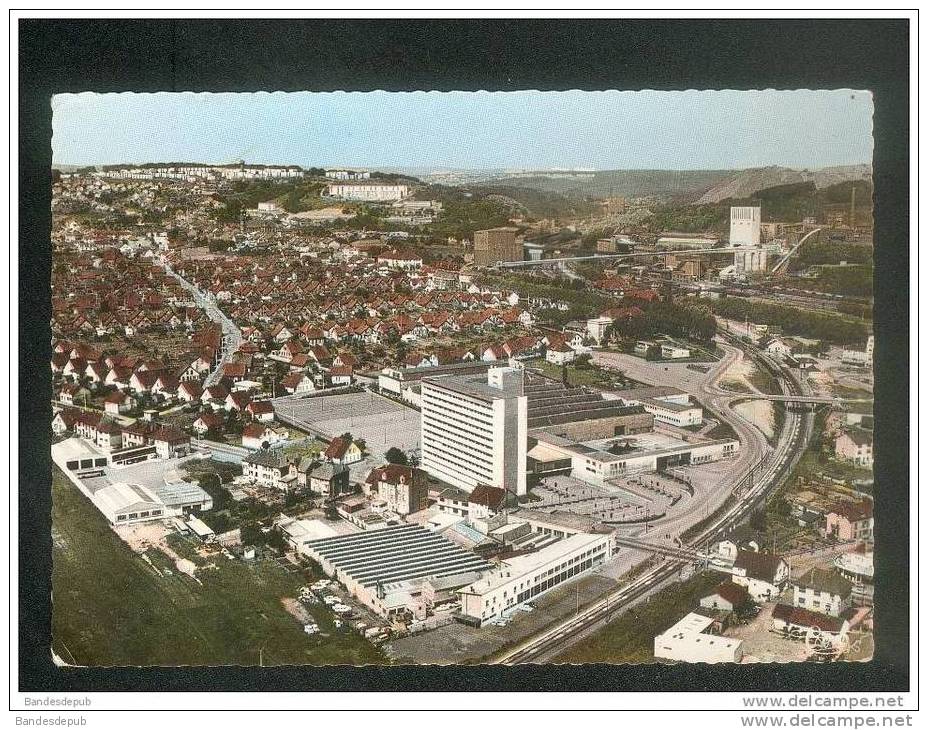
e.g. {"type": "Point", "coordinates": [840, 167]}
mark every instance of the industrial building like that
{"type": "Point", "coordinates": [599, 460]}
{"type": "Point", "coordinates": [688, 640]}
{"type": "Point", "coordinates": [496, 244]}
{"type": "Point", "coordinates": [744, 231]}
{"type": "Point", "coordinates": [744, 228]}
{"type": "Point", "coordinates": [385, 569]}
{"type": "Point", "coordinates": [525, 577]}
{"type": "Point", "coordinates": [667, 404]}
{"type": "Point", "coordinates": [474, 429]}
{"type": "Point", "coordinates": [581, 413]}
{"type": "Point", "coordinates": [124, 502]}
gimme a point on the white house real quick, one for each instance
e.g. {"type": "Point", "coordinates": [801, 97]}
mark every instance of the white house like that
{"type": "Point", "coordinates": [763, 574]}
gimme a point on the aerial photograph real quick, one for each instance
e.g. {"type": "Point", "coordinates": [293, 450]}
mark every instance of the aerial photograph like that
{"type": "Point", "coordinates": [527, 377]}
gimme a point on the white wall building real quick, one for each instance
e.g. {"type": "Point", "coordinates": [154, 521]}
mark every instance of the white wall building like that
{"type": "Point", "coordinates": [744, 228]}
{"type": "Point", "coordinates": [688, 641]}
{"type": "Point", "coordinates": [525, 577]}
{"type": "Point", "coordinates": [367, 192]}
{"type": "Point", "coordinates": [475, 429]}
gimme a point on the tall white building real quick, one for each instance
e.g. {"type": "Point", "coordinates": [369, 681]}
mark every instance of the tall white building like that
{"type": "Point", "coordinates": [475, 429]}
{"type": "Point", "coordinates": [745, 231]}
{"type": "Point", "coordinates": [745, 226]}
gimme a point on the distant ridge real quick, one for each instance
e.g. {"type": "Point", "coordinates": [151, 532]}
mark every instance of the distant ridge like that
{"type": "Point", "coordinates": [744, 183]}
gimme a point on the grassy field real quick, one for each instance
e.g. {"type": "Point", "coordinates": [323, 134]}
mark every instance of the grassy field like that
{"type": "Point", "coordinates": [630, 638]}
{"type": "Point", "coordinates": [590, 375]}
{"type": "Point", "coordinates": [111, 608]}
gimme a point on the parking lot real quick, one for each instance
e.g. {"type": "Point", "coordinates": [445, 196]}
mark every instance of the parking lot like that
{"type": "Point", "coordinates": [381, 422]}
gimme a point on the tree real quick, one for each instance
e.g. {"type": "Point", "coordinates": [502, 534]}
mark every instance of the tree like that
{"type": "Point", "coordinates": [395, 455]}
{"type": "Point", "coordinates": [758, 521]}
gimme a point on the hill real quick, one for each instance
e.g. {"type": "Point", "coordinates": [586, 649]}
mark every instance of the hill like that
{"type": "Point", "coordinates": [681, 186]}
{"type": "Point", "coordinates": [745, 183]}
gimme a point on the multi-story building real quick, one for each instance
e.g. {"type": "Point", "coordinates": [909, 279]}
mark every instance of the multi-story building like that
{"type": "Point", "coordinates": [855, 445]}
{"type": "Point", "coordinates": [496, 244]}
{"type": "Point", "coordinates": [850, 521]}
{"type": "Point", "coordinates": [367, 192]}
{"type": "Point", "coordinates": [474, 429]}
{"type": "Point", "coordinates": [744, 229]}
{"type": "Point", "coordinates": [403, 488]}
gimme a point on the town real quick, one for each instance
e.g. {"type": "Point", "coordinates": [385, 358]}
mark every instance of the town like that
{"type": "Point", "coordinates": [345, 415]}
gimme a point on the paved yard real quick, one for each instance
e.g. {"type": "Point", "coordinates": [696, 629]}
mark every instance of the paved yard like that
{"type": "Point", "coordinates": [457, 643]}
{"type": "Point", "coordinates": [381, 422]}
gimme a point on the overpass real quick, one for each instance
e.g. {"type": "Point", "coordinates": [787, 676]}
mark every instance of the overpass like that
{"type": "Point", "coordinates": [611, 256]}
{"type": "Point", "coordinates": [781, 264]}
{"type": "Point", "coordinates": [668, 550]}
{"type": "Point", "coordinates": [821, 399]}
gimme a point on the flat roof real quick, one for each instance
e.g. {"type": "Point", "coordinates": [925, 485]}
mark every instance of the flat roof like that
{"type": "Point", "coordinates": [514, 568]}
{"type": "Point", "coordinates": [474, 386]}
{"type": "Point", "coordinates": [393, 555]}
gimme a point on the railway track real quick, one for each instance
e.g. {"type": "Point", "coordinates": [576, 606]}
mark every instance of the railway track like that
{"type": "Point", "coordinates": [755, 492]}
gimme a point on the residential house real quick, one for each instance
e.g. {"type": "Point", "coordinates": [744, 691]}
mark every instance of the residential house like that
{"type": "Point", "coordinates": [265, 467]}
{"type": "Point", "coordinates": [118, 402]}
{"type": "Point", "coordinates": [403, 488]}
{"type": "Point", "coordinates": [560, 354]}
{"type": "Point", "coordinates": [260, 436]}
{"type": "Point", "coordinates": [763, 574]}
{"type": "Point", "coordinates": [824, 591]}
{"type": "Point", "coordinates": [207, 422]}
{"type": "Point", "coordinates": [856, 446]}
{"type": "Point", "coordinates": [170, 442]}
{"type": "Point", "coordinates": [729, 596]}
{"type": "Point", "coordinates": [330, 480]}
{"type": "Point", "coordinates": [343, 451]}
{"type": "Point", "coordinates": [850, 521]}
{"type": "Point", "coordinates": [261, 410]}
{"type": "Point", "coordinates": [295, 383]}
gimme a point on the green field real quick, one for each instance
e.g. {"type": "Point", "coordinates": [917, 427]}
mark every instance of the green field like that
{"type": "Point", "coordinates": [630, 638]}
{"type": "Point", "coordinates": [112, 609]}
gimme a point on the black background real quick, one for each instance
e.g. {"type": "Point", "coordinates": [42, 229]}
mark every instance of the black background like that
{"type": "Point", "coordinates": [321, 55]}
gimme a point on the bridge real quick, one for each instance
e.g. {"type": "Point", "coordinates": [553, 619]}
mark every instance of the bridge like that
{"type": "Point", "coordinates": [821, 399]}
{"type": "Point", "coordinates": [780, 268]}
{"type": "Point", "coordinates": [610, 256]}
{"type": "Point", "coordinates": [668, 550]}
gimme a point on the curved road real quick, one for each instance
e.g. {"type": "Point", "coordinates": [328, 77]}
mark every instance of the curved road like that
{"type": "Point", "coordinates": [751, 492]}
{"type": "Point", "coordinates": [231, 334]}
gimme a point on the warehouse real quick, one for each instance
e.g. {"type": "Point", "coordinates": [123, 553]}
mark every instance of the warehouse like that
{"type": "Point", "coordinates": [688, 640]}
{"type": "Point", "coordinates": [123, 503]}
{"type": "Point", "coordinates": [384, 569]}
{"type": "Point", "coordinates": [525, 577]}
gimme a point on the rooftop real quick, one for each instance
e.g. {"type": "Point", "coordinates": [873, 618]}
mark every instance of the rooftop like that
{"type": "Point", "coordinates": [394, 554]}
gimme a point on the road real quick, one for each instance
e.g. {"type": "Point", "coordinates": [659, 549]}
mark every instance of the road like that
{"type": "Point", "coordinates": [757, 472]}
{"type": "Point", "coordinates": [231, 334]}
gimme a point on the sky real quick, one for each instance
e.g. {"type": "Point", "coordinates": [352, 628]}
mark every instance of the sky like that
{"type": "Point", "coordinates": [470, 130]}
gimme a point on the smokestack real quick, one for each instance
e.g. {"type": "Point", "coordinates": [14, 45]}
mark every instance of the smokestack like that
{"type": "Point", "coordinates": [853, 202]}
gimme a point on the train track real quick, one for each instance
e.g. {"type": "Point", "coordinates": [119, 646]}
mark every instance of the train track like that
{"type": "Point", "coordinates": [755, 493]}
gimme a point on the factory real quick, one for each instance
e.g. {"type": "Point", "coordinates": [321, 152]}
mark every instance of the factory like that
{"type": "Point", "coordinates": [385, 569]}
{"type": "Point", "coordinates": [599, 460]}
{"type": "Point", "coordinates": [522, 578]}
{"type": "Point", "coordinates": [667, 404]}
{"type": "Point", "coordinates": [125, 501]}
